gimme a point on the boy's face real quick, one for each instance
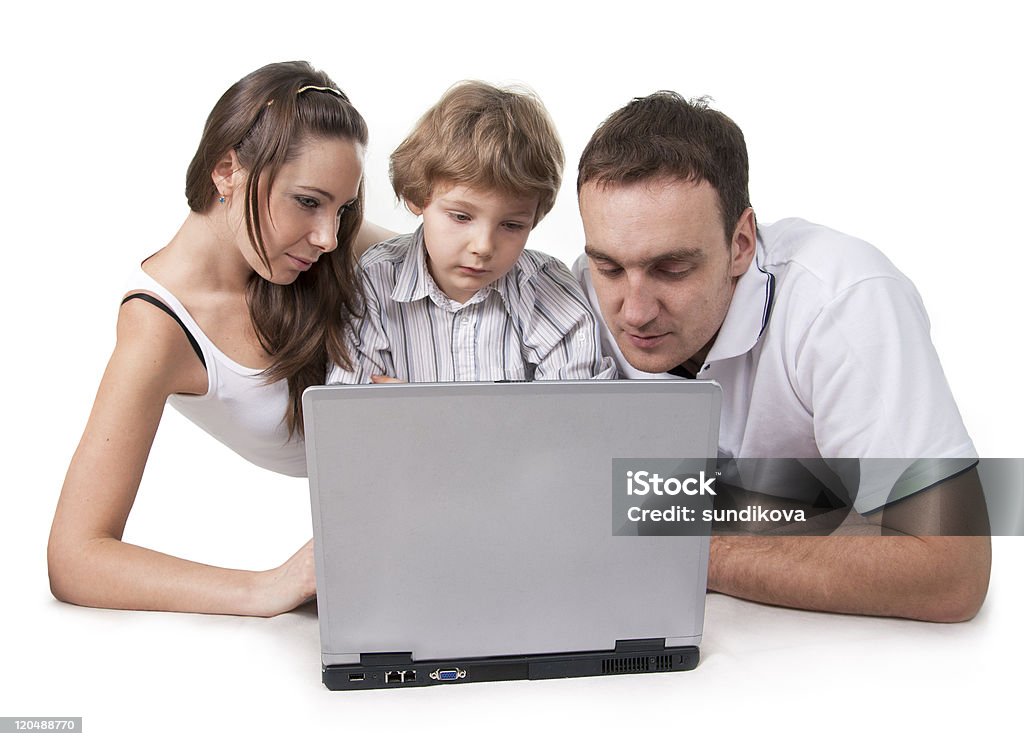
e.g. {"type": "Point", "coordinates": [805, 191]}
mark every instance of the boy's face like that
{"type": "Point", "coordinates": [473, 236]}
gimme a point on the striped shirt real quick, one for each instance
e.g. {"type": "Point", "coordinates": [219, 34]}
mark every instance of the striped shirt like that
{"type": "Point", "coordinates": [533, 322]}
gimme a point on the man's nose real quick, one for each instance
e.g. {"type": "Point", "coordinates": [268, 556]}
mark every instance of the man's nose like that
{"type": "Point", "coordinates": [639, 305]}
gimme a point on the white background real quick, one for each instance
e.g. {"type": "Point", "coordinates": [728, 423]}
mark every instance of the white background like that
{"type": "Point", "coordinates": [898, 123]}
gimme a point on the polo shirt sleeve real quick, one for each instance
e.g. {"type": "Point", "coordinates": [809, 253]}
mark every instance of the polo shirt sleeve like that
{"type": "Point", "coordinates": [561, 336]}
{"type": "Point", "coordinates": [866, 369]}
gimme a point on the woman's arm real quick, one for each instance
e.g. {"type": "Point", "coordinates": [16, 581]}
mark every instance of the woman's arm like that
{"type": "Point", "coordinates": [89, 565]}
{"type": "Point", "coordinates": [370, 234]}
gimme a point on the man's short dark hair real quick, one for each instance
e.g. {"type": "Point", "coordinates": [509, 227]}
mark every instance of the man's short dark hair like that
{"type": "Point", "coordinates": [665, 136]}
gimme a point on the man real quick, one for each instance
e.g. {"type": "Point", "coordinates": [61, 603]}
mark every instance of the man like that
{"type": "Point", "coordinates": [820, 345]}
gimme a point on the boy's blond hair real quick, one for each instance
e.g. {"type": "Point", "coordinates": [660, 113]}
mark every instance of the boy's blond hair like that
{"type": "Point", "coordinates": [481, 136]}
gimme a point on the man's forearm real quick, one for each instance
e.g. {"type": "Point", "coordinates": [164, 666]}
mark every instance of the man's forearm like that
{"type": "Point", "coordinates": [935, 578]}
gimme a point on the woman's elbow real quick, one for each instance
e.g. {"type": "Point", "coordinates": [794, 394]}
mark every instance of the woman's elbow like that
{"type": "Point", "coordinates": [58, 568]}
{"type": "Point", "coordinates": [59, 585]}
{"type": "Point", "coordinates": [65, 559]}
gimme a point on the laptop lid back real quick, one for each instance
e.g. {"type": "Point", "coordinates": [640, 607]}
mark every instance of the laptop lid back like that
{"type": "Point", "coordinates": [475, 519]}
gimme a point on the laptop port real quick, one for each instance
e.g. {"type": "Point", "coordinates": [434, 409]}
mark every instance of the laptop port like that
{"type": "Point", "coordinates": [393, 677]}
{"type": "Point", "coordinates": [356, 677]}
{"type": "Point", "coordinates": [448, 674]}
{"type": "Point", "coordinates": [410, 676]}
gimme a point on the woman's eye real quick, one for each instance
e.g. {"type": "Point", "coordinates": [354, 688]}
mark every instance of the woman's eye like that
{"type": "Point", "coordinates": [307, 202]}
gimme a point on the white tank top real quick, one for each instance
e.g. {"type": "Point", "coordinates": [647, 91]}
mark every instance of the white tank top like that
{"type": "Point", "coordinates": [239, 409]}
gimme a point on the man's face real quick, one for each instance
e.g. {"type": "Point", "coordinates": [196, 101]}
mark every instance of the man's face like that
{"type": "Point", "coordinates": [662, 268]}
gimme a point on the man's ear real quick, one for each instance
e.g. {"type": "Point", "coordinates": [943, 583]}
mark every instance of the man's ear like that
{"type": "Point", "coordinates": [228, 174]}
{"type": "Point", "coordinates": [744, 243]}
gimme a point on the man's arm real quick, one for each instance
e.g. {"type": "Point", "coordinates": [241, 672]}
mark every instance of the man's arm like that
{"type": "Point", "coordinates": [891, 563]}
{"type": "Point", "coordinates": [369, 235]}
{"type": "Point", "coordinates": [920, 557]}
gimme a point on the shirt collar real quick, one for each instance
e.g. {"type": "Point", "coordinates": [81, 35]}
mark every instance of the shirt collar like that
{"type": "Point", "coordinates": [411, 283]}
{"type": "Point", "coordinates": [415, 283]}
{"type": "Point", "coordinates": [749, 311]}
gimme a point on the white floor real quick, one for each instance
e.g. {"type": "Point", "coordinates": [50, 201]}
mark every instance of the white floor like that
{"type": "Point", "coordinates": [763, 669]}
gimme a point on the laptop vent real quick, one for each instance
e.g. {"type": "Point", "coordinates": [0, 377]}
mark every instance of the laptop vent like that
{"type": "Point", "coordinates": [637, 664]}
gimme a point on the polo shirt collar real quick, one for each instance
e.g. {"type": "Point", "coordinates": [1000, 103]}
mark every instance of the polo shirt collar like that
{"type": "Point", "coordinates": [749, 311]}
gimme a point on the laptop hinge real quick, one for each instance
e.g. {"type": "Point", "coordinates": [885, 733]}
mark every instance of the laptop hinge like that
{"type": "Point", "coordinates": [630, 646]}
{"type": "Point", "coordinates": [385, 659]}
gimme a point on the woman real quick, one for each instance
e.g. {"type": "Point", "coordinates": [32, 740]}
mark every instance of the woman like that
{"type": "Point", "coordinates": [245, 307]}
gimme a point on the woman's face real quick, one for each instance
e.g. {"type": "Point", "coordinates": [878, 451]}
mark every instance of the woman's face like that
{"type": "Point", "coordinates": [299, 222]}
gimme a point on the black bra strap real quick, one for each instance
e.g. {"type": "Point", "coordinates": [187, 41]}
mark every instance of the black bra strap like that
{"type": "Point", "coordinates": [163, 307]}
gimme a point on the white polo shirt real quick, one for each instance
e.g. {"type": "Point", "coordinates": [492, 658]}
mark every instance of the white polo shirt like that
{"type": "Point", "coordinates": [825, 352]}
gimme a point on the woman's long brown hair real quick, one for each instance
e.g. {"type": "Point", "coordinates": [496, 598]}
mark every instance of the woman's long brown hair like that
{"type": "Point", "coordinates": [266, 120]}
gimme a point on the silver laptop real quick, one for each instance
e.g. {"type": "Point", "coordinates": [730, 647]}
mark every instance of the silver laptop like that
{"type": "Point", "coordinates": [465, 531]}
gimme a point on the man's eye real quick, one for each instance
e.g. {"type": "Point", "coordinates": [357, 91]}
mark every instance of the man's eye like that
{"type": "Point", "coordinates": [673, 271]}
{"type": "Point", "coordinates": [609, 271]}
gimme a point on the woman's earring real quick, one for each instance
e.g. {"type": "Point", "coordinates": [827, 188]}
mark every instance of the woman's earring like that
{"type": "Point", "coordinates": [221, 200]}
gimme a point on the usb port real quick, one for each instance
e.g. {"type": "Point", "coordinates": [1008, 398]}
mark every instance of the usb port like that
{"type": "Point", "coordinates": [356, 676]}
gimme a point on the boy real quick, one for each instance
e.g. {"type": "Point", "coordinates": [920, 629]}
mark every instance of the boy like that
{"type": "Point", "coordinates": [461, 299]}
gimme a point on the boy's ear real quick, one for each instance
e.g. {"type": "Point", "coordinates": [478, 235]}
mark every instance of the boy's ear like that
{"type": "Point", "coordinates": [414, 209]}
{"type": "Point", "coordinates": [228, 174]}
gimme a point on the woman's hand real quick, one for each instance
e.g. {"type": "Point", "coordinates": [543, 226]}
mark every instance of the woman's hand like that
{"type": "Point", "coordinates": [289, 586]}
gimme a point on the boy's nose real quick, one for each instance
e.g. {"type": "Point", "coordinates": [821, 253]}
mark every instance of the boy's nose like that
{"type": "Point", "coordinates": [483, 244]}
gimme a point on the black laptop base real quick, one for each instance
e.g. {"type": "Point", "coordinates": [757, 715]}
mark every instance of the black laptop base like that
{"type": "Point", "coordinates": [397, 670]}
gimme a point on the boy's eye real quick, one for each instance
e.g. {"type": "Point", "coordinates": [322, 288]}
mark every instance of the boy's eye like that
{"type": "Point", "coordinates": [514, 226]}
{"type": "Point", "coordinates": [459, 217]}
